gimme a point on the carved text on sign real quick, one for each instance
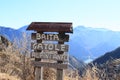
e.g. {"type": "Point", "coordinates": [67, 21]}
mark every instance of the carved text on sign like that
{"type": "Point", "coordinates": [47, 36]}
{"type": "Point", "coordinates": [50, 37]}
{"type": "Point", "coordinates": [50, 55]}
{"type": "Point", "coordinates": [51, 47]}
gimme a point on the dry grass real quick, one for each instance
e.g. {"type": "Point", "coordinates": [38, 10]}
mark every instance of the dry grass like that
{"type": "Point", "coordinates": [14, 62]}
{"type": "Point", "coordinates": [91, 74]}
{"type": "Point", "coordinates": [4, 76]}
{"type": "Point", "coordinates": [16, 66]}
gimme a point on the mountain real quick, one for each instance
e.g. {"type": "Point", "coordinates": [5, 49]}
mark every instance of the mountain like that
{"type": "Point", "coordinates": [109, 65]}
{"type": "Point", "coordinates": [23, 29]}
{"type": "Point", "coordinates": [115, 54]}
{"type": "Point", "coordinates": [85, 42]}
{"type": "Point", "coordinates": [77, 64]}
{"type": "Point", "coordinates": [10, 34]}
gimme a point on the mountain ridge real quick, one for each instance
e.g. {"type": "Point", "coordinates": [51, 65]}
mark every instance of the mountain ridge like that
{"type": "Point", "coordinates": [112, 55]}
{"type": "Point", "coordinates": [85, 41]}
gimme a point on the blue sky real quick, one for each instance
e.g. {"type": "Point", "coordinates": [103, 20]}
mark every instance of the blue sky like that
{"type": "Point", "coordinates": [90, 13]}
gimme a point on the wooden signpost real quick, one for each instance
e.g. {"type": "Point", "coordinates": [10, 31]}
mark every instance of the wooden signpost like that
{"type": "Point", "coordinates": [50, 50]}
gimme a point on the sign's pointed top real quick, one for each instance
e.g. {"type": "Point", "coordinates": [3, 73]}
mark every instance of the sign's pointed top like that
{"type": "Point", "coordinates": [51, 27]}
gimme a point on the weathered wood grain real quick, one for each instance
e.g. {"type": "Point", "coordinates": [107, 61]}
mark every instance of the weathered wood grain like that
{"type": "Point", "coordinates": [49, 65]}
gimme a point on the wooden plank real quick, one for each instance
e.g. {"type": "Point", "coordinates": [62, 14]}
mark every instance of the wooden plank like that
{"type": "Point", "coordinates": [49, 65]}
{"type": "Point", "coordinates": [38, 73]}
{"type": "Point", "coordinates": [50, 47]}
{"type": "Point", "coordinates": [0, 39]}
{"type": "Point", "coordinates": [60, 74]}
{"type": "Point", "coordinates": [50, 37]}
{"type": "Point", "coordinates": [51, 56]}
{"type": "Point", "coordinates": [51, 27]}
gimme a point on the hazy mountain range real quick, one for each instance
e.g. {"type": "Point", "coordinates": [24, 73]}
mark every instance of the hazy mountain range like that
{"type": "Point", "coordinates": [85, 42]}
{"type": "Point", "coordinates": [92, 43]}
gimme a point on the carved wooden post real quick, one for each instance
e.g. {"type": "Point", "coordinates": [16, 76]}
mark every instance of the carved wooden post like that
{"type": "Point", "coordinates": [0, 39]}
{"type": "Point", "coordinates": [38, 70]}
{"type": "Point", "coordinates": [60, 72]}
